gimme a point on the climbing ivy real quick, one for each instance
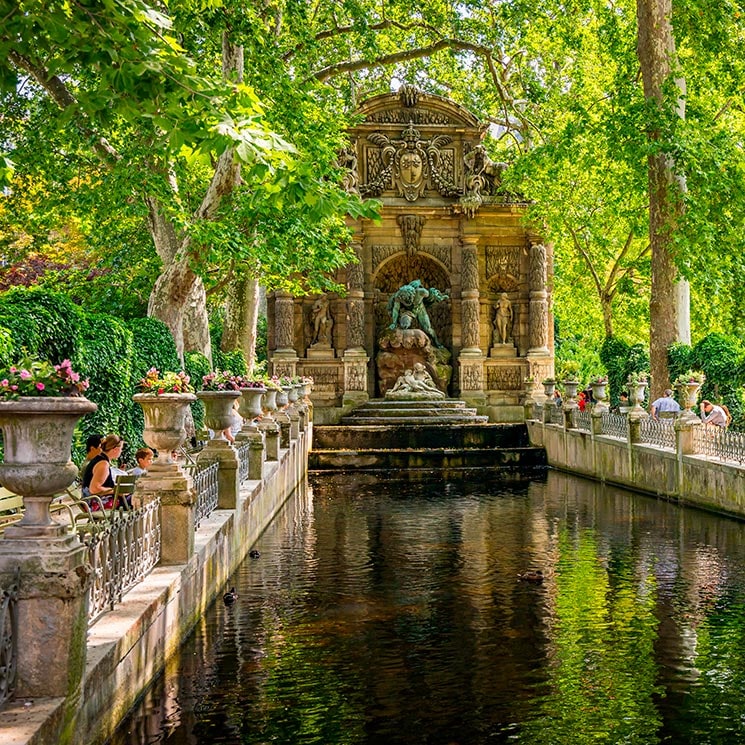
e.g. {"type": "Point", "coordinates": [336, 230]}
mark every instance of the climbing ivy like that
{"type": "Point", "coordinates": [614, 355]}
{"type": "Point", "coordinates": [197, 365]}
{"type": "Point", "coordinates": [104, 355]}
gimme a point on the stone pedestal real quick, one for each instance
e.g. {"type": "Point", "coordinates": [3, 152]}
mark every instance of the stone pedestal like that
{"type": "Point", "coordinates": [255, 456]}
{"type": "Point", "coordinates": [503, 351]}
{"type": "Point", "coordinates": [271, 437]}
{"type": "Point", "coordinates": [52, 615]}
{"type": "Point", "coordinates": [355, 376]}
{"type": "Point", "coordinates": [283, 420]}
{"type": "Point", "coordinates": [294, 416]}
{"type": "Point", "coordinates": [320, 351]}
{"type": "Point", "coordinates": [178, 501]}
{"type": "Point", "coordinates": [227, 477]}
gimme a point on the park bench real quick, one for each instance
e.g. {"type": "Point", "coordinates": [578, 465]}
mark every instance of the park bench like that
{"type": "Point", "coordinates": [11, 507]}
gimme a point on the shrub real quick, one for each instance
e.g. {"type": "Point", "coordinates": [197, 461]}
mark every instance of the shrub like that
{"type": "Point", "coordinates": [43, 323]}
{"type": "Point", "coordinates": [614, 355]}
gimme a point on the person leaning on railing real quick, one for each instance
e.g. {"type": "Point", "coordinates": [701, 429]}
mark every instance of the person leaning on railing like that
{"type": "Point", "coordinates": [98, 479]}
{"type": "Point", "coordinates": [713, 414]}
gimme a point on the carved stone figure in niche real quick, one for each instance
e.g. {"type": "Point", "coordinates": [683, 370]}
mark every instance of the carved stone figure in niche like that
{"type": "Point", "coordinates": [502, 320]}
{"type": "Point", "coordinates": [322, 322]}
{"type": "Point", "coordinates": [409, 163]}
{"type": "Point", "coordinates": [348, 161]}
{"type": "Point", "coordinates": [415, 383]}
{"type": "Point", "coordinates": [409, 303]}
{"type": "Point", "coordinates": [483, 175]}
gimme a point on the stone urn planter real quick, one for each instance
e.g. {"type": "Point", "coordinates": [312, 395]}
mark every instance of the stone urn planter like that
{"type": "Point", "coordinates": [269, 401]}
{"type": "Point", "coordinates": [249, 405]}
{"type": "Point", "coordinates": [218, 406]}
{"type": "Point", "coordinates": [282, 397]}
{"type": "Point", "coordinates": [165, 421]}
{"type": "Point", "coordinates": [549, 386]}
{"type": "Point", "coordinates": [293, 394]}
{"type": "Point", "coordinates": [570, 394]}
{"type": "Point", "coordinates": [689, 399]}
{"type": "Point", "coordinates": [599, 393]}
{"type": "Point", "coordinates": [637, 392]}
{"type": "Point", "coordinates": [37, 435]}
{"type": "Point", "coordinates": [305, 389]}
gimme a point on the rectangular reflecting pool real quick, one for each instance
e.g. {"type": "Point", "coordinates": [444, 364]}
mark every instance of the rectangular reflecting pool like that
{"type": "Point", "coordinates": [389, 612]}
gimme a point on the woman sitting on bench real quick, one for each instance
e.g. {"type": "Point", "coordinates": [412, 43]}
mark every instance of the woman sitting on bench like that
{"type": "Point", "coordinates": [98, 480]}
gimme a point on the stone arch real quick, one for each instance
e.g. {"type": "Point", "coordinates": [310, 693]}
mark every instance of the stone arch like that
{"type": "Point", "coordinates": [400, 269]}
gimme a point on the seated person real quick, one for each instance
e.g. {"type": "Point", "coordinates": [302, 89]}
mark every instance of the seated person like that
{"type": "Point", "coordinates": [92, 449]}
{"type": "Point", "coordinates": [144, 458]}
{"type": "Point", "coordinates": [98, 479]}
{"type": "Point", "coordinates": [665, 407]}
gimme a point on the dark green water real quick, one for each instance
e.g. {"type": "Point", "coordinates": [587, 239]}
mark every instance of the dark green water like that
{"type": "Point", "coordinates": [392, 613]}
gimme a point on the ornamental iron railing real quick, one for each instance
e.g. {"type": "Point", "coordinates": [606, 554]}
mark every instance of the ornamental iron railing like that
{"type": "Point", "coordinates": [242, 451]}
{"type": "Point", "coordinates": [582, 420]}
{"type": "Point", "coordinates": [660, 432]}
{"type": "Point", "coordinates": [717, 442]}
{"type": "Point", "coordinates": [122, 551]}
{"type": "Point", "coordinates": [8, 639]}
{"type": "Point", "coordinates": [615, 425]}
{"type": "Point", "coordinates": [557, 414]}
{"type": "Point", "coordinates": [205, 480]}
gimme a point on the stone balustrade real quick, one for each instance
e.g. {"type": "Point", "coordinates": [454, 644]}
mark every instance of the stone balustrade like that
{"type": "Point", "coordinates": [128, 648]}
{"type": "Point", "coordinates": [681, 460]}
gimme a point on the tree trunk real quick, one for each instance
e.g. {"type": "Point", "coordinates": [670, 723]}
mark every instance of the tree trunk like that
{"type": "Point", "coordinates": [657, 57]}
{"type": "Point", "coordinates": [607, 317]}
{"type": "Point", "coordinates": [241, 317]}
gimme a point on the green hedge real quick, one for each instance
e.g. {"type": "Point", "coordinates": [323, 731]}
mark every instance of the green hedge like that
{"type": "Point", "coordinates": [197, 366]}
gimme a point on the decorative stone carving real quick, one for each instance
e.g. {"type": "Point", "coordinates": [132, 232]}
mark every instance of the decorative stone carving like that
{"type": "Point", "coordinates": [418, 116]}
{"type": "Point", "coordinates": [503, 378]}
{"type": "Point", "coordinates": [471, 377]}
{"type": "Point", "coordinates": [408, 95]}
{"type": "Point", "coordinates": [483, 176]}
{"type": "Point", "coordinates": [415, 384]}
{"type": "Point", "coordinates": [411, 230]}
{"type": "Point", "coordinates": [325, 379]}
{"type": "Point", "coordinates": [348, 161]}
{"type": "Point", "coordinates": [538, 326]}
{"type": "Point", "coordinates": [355, 377]}
{"type": "Point", "coordinates": [283, 321]}
{"type": "Point", "coordinates": [381, 252]}
{"type": "Point", "coordinates": [537, 266]}
{"type": "Point", "coordinates": [470, 267]}
{"type": "Point", "coordinates": [355, 322]}
{"type": "Point", "coordinates": [470, 313]}
{"type": "Point", "coordinates": [355, 272]}
{"type": "Point", "coordinates": [503, 267]}
{"type": "Point", "coordinates": [409, 163]}
{"type": "Point", "coordinates": [442, 253]}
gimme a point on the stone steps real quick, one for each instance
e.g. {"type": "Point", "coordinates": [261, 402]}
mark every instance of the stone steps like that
{"type": "Point", "coordinates": [384, 411]}
{"type": "Point", "coordinates": [427, 459]}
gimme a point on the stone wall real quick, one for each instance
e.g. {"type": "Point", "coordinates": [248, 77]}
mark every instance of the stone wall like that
{"type": "Point", "coordinates": [671, 474]}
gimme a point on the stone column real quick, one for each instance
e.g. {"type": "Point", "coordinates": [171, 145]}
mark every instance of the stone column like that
{"type": "Point", "coordinates": [471, 359]}
{"type": "Point", "coordinates": [355, 356]}
{"type": "Point", "coordinates": [538, 327]}
{"type": "Point", "coordinates": [284, 358]}
{"type": "Point", "coordinates": [228, 486]}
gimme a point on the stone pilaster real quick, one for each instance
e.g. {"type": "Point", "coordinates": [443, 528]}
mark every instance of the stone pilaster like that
{"type": "Point", "coordinates": [284, 358]}
{"type": "Point", "coordinates": [227, 476]}
{"type": "Point", "coordinates": [355, 377]}
{"type": "Point", "coordinates": [356, 303]}
{"type": "Point", "coordinates": [255, 456]}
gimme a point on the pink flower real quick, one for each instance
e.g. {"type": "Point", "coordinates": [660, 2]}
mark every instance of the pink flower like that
{"type": "Point", "coordinates": [4, 383]}
{"type": "Point", "coordinates": [13, 369]}
{"type": "Point", "coordinates": [40, 386]}
{"type": "Point", "coordinates": [25, 374]}
{"type": "Point", "coordinates": [14, 388]}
